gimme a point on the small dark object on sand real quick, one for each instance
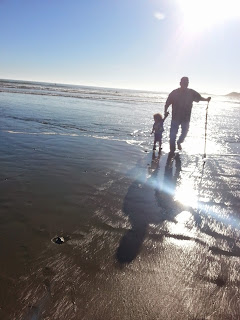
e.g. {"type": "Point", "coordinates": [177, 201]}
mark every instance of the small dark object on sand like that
{"type": "Point", "coordinates": [60, 239]}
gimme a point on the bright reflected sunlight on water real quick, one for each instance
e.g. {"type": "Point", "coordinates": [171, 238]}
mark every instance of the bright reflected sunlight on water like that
{"type": "Point", "coordinates": [183, 225]}
{"type": "Point", "coordinates": [194, 144]}
{"type": "Point", "coordinates": [186, 194]}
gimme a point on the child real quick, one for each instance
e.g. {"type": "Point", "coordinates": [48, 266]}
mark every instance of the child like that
{"type": "Point", "coordinates": [158, 129]}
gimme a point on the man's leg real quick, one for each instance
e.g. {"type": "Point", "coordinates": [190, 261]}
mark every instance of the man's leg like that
{"type": "Point", "coordinates": [185, 128]}
{"type": "Point", "coordinates": [173, 134]}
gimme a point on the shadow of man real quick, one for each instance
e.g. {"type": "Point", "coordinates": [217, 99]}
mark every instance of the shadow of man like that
{"type": "Point", "coordinates": [145, 203]}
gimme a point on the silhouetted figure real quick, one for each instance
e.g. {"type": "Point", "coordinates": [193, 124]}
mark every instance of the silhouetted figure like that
{"type": "Point", "coordinates": [181, 100]}
{"type": "Point", "coordinates": [157, 130]}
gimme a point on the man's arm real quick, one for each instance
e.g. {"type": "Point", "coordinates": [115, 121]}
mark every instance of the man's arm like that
{"type": "Point", "coordinates": [166, 108]}
{"type": "Point", "coordinates": [167, 104]}
{"type": "Point", "coordinates": [197, 97]}
{"type": "Point", "coordinates": [205, 99]}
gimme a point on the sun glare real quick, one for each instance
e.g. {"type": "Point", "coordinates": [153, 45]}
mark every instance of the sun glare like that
{"type": "Point", "coordinates": [200, 15]}
{"type": "Point", "coordinates": [186, 194]}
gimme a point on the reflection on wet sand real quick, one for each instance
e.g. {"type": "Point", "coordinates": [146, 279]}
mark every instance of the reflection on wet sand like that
{"type": "Point", "coordinates": [184, 222]}
{"type": "Point", "coordinates": [137, 206]}
{"type": "Point", "coordinates": [140, 205]}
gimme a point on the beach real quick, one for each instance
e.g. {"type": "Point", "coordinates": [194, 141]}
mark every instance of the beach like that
{"type": "Point", "coordinates": [94, 224]}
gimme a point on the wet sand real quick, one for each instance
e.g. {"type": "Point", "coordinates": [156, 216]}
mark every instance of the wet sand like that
{"type": "Point", "coordinates": [130, 250]}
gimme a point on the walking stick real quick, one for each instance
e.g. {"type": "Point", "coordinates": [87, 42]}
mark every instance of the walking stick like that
{"type": "Point", "coordinates": [205, 142]}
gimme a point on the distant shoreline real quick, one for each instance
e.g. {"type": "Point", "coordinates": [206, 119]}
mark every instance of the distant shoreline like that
{"type": "Point", "coordinates": [233, 94]}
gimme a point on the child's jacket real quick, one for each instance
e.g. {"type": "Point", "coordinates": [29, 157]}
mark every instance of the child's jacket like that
{"type": "Point", "coordinates": [158, 127]}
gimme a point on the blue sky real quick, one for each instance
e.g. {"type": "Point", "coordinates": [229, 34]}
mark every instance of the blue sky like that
{"type": "Point", "coordinates": [139, 44]}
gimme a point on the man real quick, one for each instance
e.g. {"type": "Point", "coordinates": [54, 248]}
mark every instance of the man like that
{"type": "Point", "coordinates": [181, 100]}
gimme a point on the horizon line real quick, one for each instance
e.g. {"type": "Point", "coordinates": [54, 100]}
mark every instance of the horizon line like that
{"type": "Point", "coordinates": [109, 87]}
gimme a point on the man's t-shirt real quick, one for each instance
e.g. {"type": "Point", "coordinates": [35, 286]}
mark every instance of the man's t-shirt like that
{"type": "Point", "coordinates": [181, 101]}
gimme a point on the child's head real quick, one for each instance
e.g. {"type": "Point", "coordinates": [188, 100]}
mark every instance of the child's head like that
{"type": "Point", "coordinates": [157, 117]}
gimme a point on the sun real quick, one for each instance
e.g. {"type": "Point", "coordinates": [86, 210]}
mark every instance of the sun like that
{"type": "Point", "coordinates": [199, 15]}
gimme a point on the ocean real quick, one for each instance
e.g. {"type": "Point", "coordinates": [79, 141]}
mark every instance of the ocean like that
{"type": "Point", "coordinates": [111, 114]}
{"type": "Point", "coordinates": [94, 224]}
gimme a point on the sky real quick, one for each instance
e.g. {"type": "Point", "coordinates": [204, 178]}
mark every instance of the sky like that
{"type": "Point", "coordinates": [135, 44]}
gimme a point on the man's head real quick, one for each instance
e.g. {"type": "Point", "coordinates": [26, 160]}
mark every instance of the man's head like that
{"type": "Point", "coordinates": [184, 82]}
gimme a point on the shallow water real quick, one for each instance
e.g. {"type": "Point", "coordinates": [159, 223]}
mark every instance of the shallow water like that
{"type": "Point", "coordinates": [148, 236]}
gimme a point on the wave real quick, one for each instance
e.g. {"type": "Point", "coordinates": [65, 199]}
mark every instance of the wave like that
{"type": "Point", "coordinates": [82, 92]}
{"type": "Point", "coordinates": [47, 122]}
{"type": "Point", "coordinates": [41, 133]}
{"type": "Point", "coordinates": [94, 136]}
